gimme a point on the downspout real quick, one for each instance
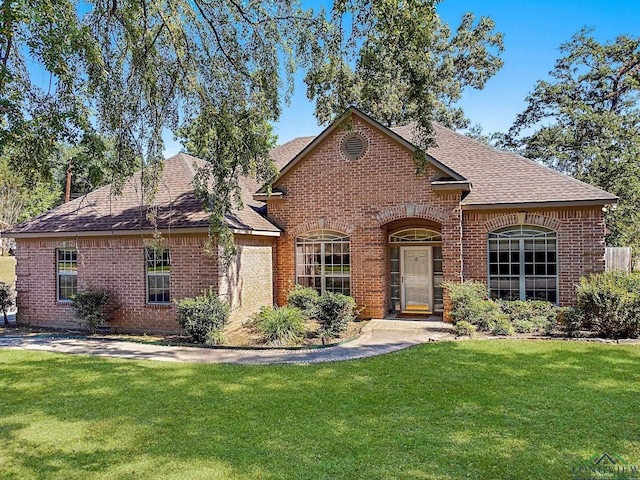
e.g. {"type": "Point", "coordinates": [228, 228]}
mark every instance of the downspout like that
{"type": "Point", "coordinates": [461, 245]}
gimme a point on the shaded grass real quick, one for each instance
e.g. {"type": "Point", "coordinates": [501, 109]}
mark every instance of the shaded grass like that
{"type": "Point", "coordinates": [7, 269]}
{"type": "Point", "coordinates": [473, 409]}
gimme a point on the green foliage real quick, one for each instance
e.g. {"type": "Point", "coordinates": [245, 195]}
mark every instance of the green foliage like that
{"type": "Point", "coordinates": [306, 299]}
{"type": "Point", "coordinates": [393, 79]}
{"type": "Point", "coordinates": [585, 121]}
{"type": "Point", "coordinates": [570, 320]}
{"type": "Point", "coordinates": [7, 299]}
{"type": "Point", "coordinates": [94, 307]}
{"type": "Point", "coordinates": [501, 325]}
{"type": "Point", "coordinates": [203, 317]}
{"type": "Point", "coordinates": [281, 326]}
{"type": "Point", "coordinates": [531, 315]}
{"type": "Point", "coordinates": [610, 304]}
{"type": "Point", "coordinates": [463, 296]}
{"type": "Point", "coordinates": [465, 329]}
{"type": "Point", "coordinates": [469, 304]}
{"type": "Point", "coordinates": [335, 311]}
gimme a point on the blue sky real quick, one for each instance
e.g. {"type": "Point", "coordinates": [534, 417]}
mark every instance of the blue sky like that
{"type": "Point", "coordinates": [533, 30]}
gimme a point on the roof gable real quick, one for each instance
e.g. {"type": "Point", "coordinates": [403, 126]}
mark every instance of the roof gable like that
{"type": "Point", "coordinates": [390, 133]}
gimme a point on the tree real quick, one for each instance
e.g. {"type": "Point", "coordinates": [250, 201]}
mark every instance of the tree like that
{"type": "Point", "coordinates": [408, 65]}
{"type": "Point", "coordinates": [585, 121]}
{"type": "Point", "coordinates": [21, 199]}
{"type": "Point", "coordinates": [7, 298]}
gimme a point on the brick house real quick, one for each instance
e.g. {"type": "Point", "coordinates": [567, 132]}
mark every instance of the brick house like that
{"type": "Point", "coordinates": [347, 214]}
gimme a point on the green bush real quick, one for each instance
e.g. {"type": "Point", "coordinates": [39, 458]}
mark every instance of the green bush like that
{"type": "Point", "coordinates": [335, 311]}
{"type": "Point", "coordinates": [204, 317]}
{"type": "Point", "coordinates": [464, 300]}
{"type": "Point", "coordinates": [610, 304]}
{"type": "Point", "coordinates": [94, 307]}
{"type": "Point", "coordinates": [305, 299]}
{"type": "Point", "coordinates": [465, 329]}
{"type": "Point", "coordinates": [530, 316]}
{"type": "Point", "coordinates": [570, 320]}
{"type": "Point", "coordinates": [281, 326]}
{"type": "Point", "coordinates": [7, 299]}
{"type": "Point", "coordinates": [502, 325]}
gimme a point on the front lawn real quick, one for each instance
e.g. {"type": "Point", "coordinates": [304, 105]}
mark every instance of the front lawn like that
{"type": "Point", "coordinates": [469, 409]}
{"type": "Point", "coordinates": [7, 269]}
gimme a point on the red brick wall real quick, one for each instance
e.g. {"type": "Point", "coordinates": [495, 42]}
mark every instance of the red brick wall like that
{"type": "Point", "coordinates": [115, 263]}
{"type": "Point", "coordinates": [247, 286]}
{"type": "Point", "coordinates": [581, 243]}
{"type": "Point", "coordinates": [359, 197]}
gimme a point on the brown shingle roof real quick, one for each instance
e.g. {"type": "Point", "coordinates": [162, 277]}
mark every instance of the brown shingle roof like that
{"type": "Point", "coordinates": [176, 203]}
{"type": "Point", "coordinates": [504, 178]}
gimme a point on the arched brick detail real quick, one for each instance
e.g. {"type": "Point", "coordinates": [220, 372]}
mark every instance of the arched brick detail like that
{"type": "Point", "coordinates": [411, 210]}
{"type": "Point", "coordinates": [321, 224]}
{"type": "Point", "coordinates": [529, 219]}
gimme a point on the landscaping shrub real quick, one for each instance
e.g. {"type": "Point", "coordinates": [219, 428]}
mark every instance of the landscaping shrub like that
{"type": "Point", "coordinates": [469, 304]}
{"type": "Point", "coordinates": [570, 320]}
{"type": "Point", "coordinates": [502, 325]}
{"type": "Point", "coordinates": [305, 299]}
{"type": "Point", "coordinates": [609, 304]}
{"type": "Point", "coordinates": [530, 316]}
{"type": "Point", "coordinates": [7, 299]}
{"type": "Point", "coordinates": [465, 329]}
{"type": "Point", "coordinates": [464, 300]}
{"type": "Point", "coordinates": [281, 326]}
{"type": "Point", "coordinates": [94, 307]}
{"type": "Point", "coordinates": [335, 311]}
{"type": "Point", "coordinates": [204, 317]}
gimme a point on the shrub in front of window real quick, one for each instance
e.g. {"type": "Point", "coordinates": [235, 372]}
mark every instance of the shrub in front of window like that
{"type": "Point", "coordinates": [335, 311]}
{"type": "Point", "coordinates": [94, 307]}
{"type": "Point", "coordinates": [610, 304]}
{"type": "Point", "coordinates": [570, 320]}
{"type": "Point", "coordinates": [501, 325]}
{"type": "Point", "coordinates": [532, 316]}
{"type": "Point", "coordinates": [305, 299]}
{"type": "Point", "coordinates": [464, 298]}
{"type": "Point", "coordinates": [465, 329]}
{"type": "Point", "coordinates": [281, 326]}
{"type": "Point", "coordinates": [7, 299]}
{"type": "Point", "coordinates": [204, 317]}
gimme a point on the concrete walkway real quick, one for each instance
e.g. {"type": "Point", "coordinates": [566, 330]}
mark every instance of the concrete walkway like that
{"type": "Point", "coordinates": [378, 337]}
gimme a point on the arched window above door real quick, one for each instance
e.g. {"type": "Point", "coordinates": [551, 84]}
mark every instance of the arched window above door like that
{"type": "Point", "coordinates": [415, 235]}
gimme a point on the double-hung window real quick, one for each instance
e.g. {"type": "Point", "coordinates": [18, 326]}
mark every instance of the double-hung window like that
{"type": "Point", "coordinates": [158, 268]}
{"type": "Point", "coordinates": [67, 274]}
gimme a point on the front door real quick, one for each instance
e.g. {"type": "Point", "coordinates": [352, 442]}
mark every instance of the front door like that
{"type": "Point", "coordinates": [416, 287]}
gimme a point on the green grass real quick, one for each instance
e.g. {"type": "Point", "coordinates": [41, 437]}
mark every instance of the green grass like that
{"type": "Point", "coordinates": [471, 409]}
{"type": "Point", "coordinates": [8, 269]}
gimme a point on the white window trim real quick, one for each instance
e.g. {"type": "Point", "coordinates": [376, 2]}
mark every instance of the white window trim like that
{"type": "Point", "coordinates": [156, 274]}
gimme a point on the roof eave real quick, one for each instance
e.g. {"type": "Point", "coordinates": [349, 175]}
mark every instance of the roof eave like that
{"type": "Point", "coordinates": [551, 204]}
{"type": "Point", "coordinates": [124, 233]}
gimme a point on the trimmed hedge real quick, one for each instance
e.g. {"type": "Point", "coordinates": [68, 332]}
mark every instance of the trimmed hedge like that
{"type": "Point", "coordinates": [305, 299]}
{"type": "Point", "coordinates": [609, 304]}
{"type": "Point", "coordinates": [335, 311]}
{"type": "Point", "coordinates": [204, 317]}
{"type": "Point", "coordinates": [94, 307]}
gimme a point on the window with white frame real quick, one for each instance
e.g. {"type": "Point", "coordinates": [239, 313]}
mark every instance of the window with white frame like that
{"type": "Point", "coordinates": [158, 269]}
{"type": "Point", "coordinates": [67, 274]}
{"type": "Point", "coordinates": [323, 261]}
{"type": "Point", "coordinates": [523, 263]}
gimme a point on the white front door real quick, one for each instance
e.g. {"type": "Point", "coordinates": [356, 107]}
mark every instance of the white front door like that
{"type": "Point", "coordinates": [416, 274]}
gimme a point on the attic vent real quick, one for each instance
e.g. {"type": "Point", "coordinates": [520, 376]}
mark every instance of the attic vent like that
{"type": "Point", "coordinates": [354, 146]}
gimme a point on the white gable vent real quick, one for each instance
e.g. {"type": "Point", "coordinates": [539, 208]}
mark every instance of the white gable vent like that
{"type": "Point", "coordinates": [354, 146]}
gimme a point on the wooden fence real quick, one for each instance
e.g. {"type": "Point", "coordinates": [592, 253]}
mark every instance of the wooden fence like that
{"type": "Point", "coordinates": [618, 258]}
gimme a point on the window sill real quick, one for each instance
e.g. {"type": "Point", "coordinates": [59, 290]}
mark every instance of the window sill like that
{"type": "Point", "coordinates": [66, 303]}
{"type": "Point", "coordinates": [158, 305]}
